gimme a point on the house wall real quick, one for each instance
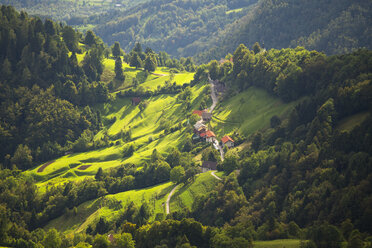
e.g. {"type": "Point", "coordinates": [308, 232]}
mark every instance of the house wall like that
{"type": "Point", "coordinates": [229, 144]}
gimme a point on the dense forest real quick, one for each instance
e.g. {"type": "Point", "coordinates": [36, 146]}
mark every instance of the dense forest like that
{"type": "Point", "coordinates": [44, 92]}
{"type": "Point", "coordinates": [169, 26]}
{"type": "Point", "coordinates": [210, 29]}
{"type": "Point", "coordinates": [303, 168]}
{"type": "Point", "coordinates": [303, 177]}
{"type": "Point", "coordinates": [333, 27]}
{"type": "Point", "coordinates": [71, 11]}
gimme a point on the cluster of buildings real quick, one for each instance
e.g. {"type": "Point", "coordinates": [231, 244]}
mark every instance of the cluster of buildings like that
{"type": "Point", "coordinates": [201, 131]}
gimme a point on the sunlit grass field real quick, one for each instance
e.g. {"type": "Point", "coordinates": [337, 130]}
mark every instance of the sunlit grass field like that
{"type": "Point", "coordinates": [185, 196]}
{"type": "Point", "coordinates": [146, 126]}
{"type": "Point", "coordinates": [280, 243]}
{"type": "Point", "coordinates": [248, 112]}
{"type": "Point", "coordinates": [89, 212]}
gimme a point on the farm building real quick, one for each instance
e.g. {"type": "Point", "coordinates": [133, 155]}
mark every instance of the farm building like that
{"type": "Point", "coordinates": [227, 141]}
{"type": "Point", "coordinates": [136, 101]}
{"type": "Point", "coordinates": [207, 116]}
{"type": "Point", "coordinates": [199, 126]}
{"type": "Point", "coordinates": [210, 136]}
{"type": "Point", "coordinates": [209, 165]}
{"type": "Point", "coordinates": [197, 112]}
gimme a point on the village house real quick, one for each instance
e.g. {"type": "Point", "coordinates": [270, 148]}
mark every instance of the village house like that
{"type": "Point", "coordinates": [136, 101]}
{"type": "Point", "coordinates": [210, 136]}
{"type": "Point", "coordinates": [199, 128]}
{"type": "Point", "coordinates": [227, 141]}
{"type": "Point", "coordinates": [207, 116]}
{"type": "Point", "coordinates": [208, 165]}
{"type": "Point", "coordinates": [197, 112]}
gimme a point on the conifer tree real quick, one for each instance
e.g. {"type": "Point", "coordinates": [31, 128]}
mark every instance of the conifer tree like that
{"type": "Point", "coordinates": [116, 49]}
{"type": "Point", "coordinates": [150, 62]}
{"type": "Point", "coordinates": [135, 60]}
{"type": "Point", "coordinates": [119, 69]}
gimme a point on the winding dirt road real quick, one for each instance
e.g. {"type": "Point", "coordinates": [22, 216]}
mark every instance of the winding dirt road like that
{"type": "Point", "coordinates": [214, 104]}
{"type": "Point", "coordinates": [217, 177]}
{"type": "Point", "coordinates": [213, 94]}
{"type": "Point", "coordinates": [167, 211]}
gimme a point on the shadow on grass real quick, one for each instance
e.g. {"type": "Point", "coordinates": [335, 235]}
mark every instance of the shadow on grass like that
{"type": "Point", "coordinates": [165, 191]}
{"type": "Point", "coordinates": [184, 189]}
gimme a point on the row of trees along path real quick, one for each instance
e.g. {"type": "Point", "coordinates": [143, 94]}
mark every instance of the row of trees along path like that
{"type": "Point", "coordinates": [214, 104]}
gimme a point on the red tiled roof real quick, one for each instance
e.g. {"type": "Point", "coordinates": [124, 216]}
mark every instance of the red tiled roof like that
{"type": "Point", "coordinates": [226, 138]}
{"type": "Point", "coordinates": [197, 112]}
{"type": "Point", "coordinates": [210, 134]}
{"type": "Point", "coordinates": [136, 100]}
{"type": "Point", "coordinates": [202, 134]}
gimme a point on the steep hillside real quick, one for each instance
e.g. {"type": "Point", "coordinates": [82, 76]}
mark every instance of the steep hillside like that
{"type": "Point", "coordinates": [332, 27]}
{"type": "Point", "coordinates": [170, 25]}
{"type": "Point", "coordinates": [210, 29]}
{"type": "Point", "coordinates": [83, 14]}
{"type": "Point", "coordinates": [248, 112]}
{"type": "Point", "coordinates": [99, 144]}
{"type": "Point", "coordinates": [112, 208]}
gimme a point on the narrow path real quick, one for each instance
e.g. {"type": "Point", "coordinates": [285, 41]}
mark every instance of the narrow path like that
{"type": "Point", "coordinates": [214, 104]}
{"type": "Point", "coordinates": [169, 198]}
{"type": "Point", "coordinates": [217, 177]}
{"type": "Point", "coordinates": [213, 94]}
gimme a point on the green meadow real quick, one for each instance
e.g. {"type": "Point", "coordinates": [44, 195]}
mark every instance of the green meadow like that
{"type": "Point", "coordinates": [248, 112]}
{"type": "Point", "coordinates": [147, 134]}
{"type": "Point", "coordinates": [347, 124]}
{"type": "Point", "coordinates": [280, 243]}
{"type": "Point", "coordinates": [184, 196]}
{"type": "Point", "coordinates": [111, 206]}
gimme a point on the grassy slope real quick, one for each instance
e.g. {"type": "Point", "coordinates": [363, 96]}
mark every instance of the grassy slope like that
{"type": "Point", "coordinates": [184, 197]}
{"type": "Point", "coordinates": [249, 115]}
{"type": "Point", "coordinates": [347, 124]}
{"type": "Point", "coordinates": [248, 112]}
{"type": "Point", "coordinates": [89, 212]}
{"type": "Point", "coordinates": [143, 126]}
{"type": "Point", "coordinates": [281, 243]}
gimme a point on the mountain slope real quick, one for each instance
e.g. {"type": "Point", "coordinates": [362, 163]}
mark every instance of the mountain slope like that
{"type": "Point", "coordinates": [170, 25]}
{"type": "Point", "coordinates": [329, 26]}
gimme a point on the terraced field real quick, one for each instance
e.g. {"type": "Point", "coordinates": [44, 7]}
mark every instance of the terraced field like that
{"type": "Point", "coordinates": [161, 111]}
{"type": "Point", "coordinates": [111, 206]}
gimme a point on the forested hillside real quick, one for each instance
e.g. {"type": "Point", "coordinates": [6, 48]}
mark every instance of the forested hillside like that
{"type": "Point", "coordinates": [83, 13]}
{"type": "Point", "coordinates": [170, 26]}
{"type": "Point", "coordinates": [333, 27]}
{"type": "Point", "coordinates": [309, 167]}
{"type": "Point", "coordinates": [210, 29]}
{"type": "Point", "coordinates": [42, 86]}
{"type": "Point", "coordinates": [99, 147]}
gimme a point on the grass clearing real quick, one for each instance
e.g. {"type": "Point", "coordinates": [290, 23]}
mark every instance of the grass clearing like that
{"type": "Point", "coordinates": [162, 111]}
{"type": "Point", "coordinates": [184, 197]}
{"type": "Point", "coordinates": [234, 11]}
{"type": "Point", "coordinates": [349, 123]}
{"type": "Point", "coordinates": [279, 243]}
{"type": "Point", "coordinates": [248, 112]}
{"type": "Point", "coordinates": [89, 212]}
